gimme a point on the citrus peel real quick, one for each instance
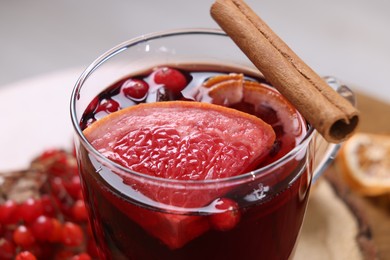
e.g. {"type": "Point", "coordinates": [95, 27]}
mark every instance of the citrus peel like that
{"type": "Point", "coordinates": [364, 162]}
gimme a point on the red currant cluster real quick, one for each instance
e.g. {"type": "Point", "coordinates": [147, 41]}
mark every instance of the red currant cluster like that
{"type": "Point", "coordinates": [52, 222]}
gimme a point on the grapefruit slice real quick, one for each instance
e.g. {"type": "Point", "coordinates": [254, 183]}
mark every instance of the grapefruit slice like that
{"type": "Point", "coordinates": [364, 160]}
{"type": "Point", "coordinates": [180, 140]}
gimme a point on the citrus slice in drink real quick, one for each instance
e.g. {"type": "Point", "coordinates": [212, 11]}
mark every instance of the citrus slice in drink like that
{"type": "Point", "coordinates": [182, 140]}
{"type": "Point", "coordinates": [364, 160]}
{"type": "Point", "coordinates": [263, 101]}
{"type": "Point", "coordinates": [225, 89]}
{"type": "Point", "coordinates": [179, 140]}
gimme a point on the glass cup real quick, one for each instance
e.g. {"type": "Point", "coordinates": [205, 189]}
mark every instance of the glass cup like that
{"type": "Point", "coordinates": [127, 220]}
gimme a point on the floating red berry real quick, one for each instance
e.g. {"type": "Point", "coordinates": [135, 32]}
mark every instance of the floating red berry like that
{"type": "Point", "coordinates": [228, 215]}
{"type": "Point", "coordinates": [108, 105]}
{"type": "Point", "coordinates": [172, 79]}
{"type": "Point", "coordinates": [92, 106]}
{"type": "Point", "coordinates": [136, 89]}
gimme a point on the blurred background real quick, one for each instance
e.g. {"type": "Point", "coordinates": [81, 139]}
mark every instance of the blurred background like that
{"type": "Point", "coordinates": [349, 39]}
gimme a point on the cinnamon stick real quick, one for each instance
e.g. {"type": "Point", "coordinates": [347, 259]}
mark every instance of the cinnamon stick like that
{"type": "Point", "coordinates": [329, 113]}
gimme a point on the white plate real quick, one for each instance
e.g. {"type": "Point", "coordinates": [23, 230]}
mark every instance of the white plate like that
{"type": "Point", "coordinates": [34, 116]}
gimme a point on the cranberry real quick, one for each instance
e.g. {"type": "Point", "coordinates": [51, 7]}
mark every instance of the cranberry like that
{"type": "Point", "coordinates": [79, 211]}
{"type": "Point", "coordinates": [136, 89]}
{"type": "Point", "coordinates": [56, 234]}
{"type": "Point", "coordinates": [171, 78]}
{"type": "Point", "coordinates": [72, 234]}
{"type": "Point", "coordinates": [108, 105]}
{"type": "Point", "coordinates": [23, 236]}
{"type": "Point", "coordinates": [30, 209]}
{"type": "Point", "coordinates": [92, 106]}
{"type": "Point", "coordinates": [7, 249]}
{"type": "Point", "coordinates": [48, 206]}
{"type": "Point", "coordinates": [7, 212]}
{"type": "Point", "coordinates": [73, 186]}
{"type": "Point", "coordinates": [228, 215]}
{"type": "Point", "coordinates": [42, 228]}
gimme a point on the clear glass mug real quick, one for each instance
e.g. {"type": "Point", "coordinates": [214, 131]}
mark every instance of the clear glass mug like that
{"type": "Point", "coordinates": [129, 223]}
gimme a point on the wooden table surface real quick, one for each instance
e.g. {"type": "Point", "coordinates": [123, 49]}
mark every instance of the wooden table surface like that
{"type": "Point", "coordinates": [375, 118]}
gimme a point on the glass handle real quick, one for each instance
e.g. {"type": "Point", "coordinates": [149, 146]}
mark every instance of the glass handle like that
{"type": "Point", "coordinates": [326, 152]}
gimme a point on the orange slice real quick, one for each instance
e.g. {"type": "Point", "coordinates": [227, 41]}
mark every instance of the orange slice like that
{"type": "Point", "coordinates": [211, 82]}
{"type": "Point", "coordinates": [364, 160]}
{"type": "Point", "coordinates": [263, 101]}
{"type": "Point", "coordinates": [225, 89]}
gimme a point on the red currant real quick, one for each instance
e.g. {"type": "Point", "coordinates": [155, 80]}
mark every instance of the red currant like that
{"type": "Point", "coordinates": [228, 215]}
{"type": "Point", "coordinates": [171, 78]}
{"type": "Point", "coordinates": [25, 255]}
{"type": "Point", "coordinates": [23, 236]}
{"type": "Point", "coordinates": [135, 89]}
{"type": "Point", "coordinates": [72, 234]}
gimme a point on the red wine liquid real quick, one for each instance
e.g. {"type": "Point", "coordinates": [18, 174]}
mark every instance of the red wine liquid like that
{"type": "Point", "coordinates": [128, 225]}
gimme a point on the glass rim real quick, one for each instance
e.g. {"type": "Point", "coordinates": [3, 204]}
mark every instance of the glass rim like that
{"type": "Point", "coordinates": [153, 36]}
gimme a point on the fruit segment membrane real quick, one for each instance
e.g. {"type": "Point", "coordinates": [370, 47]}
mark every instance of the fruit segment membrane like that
{"type": "Point", "coordinates": [185, 125]}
